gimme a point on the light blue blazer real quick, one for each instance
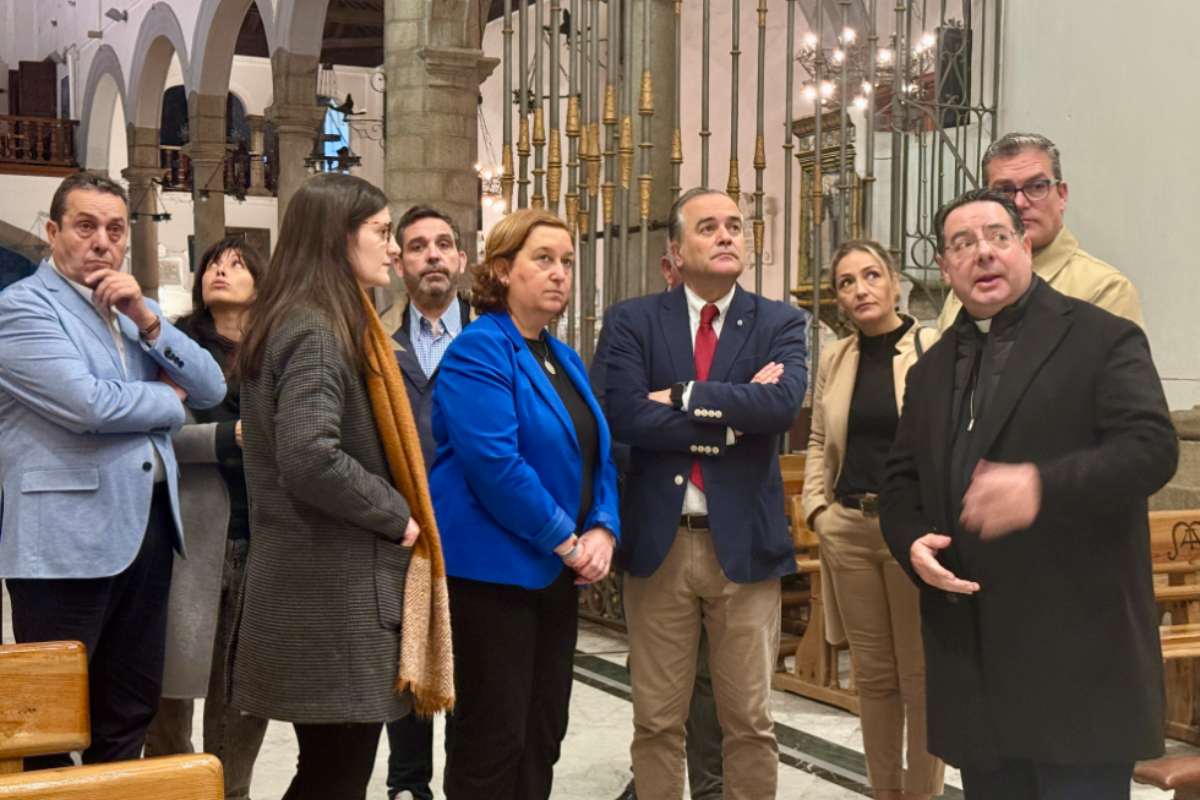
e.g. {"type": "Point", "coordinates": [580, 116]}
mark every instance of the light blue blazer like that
{"type": "Point", "coordinates": [506, 478]}
{"type": "Point", "coordinates": [78, 431]}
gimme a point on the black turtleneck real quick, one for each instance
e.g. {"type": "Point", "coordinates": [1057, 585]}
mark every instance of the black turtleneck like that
{"type": "Point", "coordinates": [873, 414]}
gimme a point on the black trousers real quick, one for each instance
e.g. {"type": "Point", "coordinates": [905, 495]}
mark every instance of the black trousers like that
{"type": "Point", "coordinates": [410, 757]}
{"type": "Point", "coordinates": [335, 761]}
{"type": "Point", "coordinates": [1019, 779]}
{"type": "Point", "coordinates": [122, 621]}
{"type": "Point", "coordinates": [513, 660]}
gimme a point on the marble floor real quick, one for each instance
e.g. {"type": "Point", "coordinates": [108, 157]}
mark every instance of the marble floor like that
{"type": "Point", "coordinates": [820, 746]}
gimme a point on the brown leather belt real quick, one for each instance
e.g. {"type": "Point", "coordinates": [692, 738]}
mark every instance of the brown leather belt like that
{"type": "Point", "coordinates": [694, 522]}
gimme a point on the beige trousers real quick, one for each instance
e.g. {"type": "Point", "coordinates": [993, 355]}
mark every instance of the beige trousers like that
{"type": "Point", "coordinates": [664, 613]}
{"type": "Point", "coordinates": [882, 618]}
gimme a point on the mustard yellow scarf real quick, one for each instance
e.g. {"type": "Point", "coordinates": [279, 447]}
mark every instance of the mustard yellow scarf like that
{"type": "Point", "coordinates": [426, 652]}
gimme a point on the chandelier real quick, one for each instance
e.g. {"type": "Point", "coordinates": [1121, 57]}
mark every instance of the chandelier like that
{"type": "Point", "coordinates": [490, 194]}
{"type": "Point", "coordinates": [825, 66]}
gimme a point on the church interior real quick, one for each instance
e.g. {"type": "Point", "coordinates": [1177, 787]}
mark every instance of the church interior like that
{"type": "Point", "coordinates": [824, 120]}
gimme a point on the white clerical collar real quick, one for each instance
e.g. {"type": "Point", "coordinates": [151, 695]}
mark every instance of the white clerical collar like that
{"type": "Point", "coordinates": [984, 325]}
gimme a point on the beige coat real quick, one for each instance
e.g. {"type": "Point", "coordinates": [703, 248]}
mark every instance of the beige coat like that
{"type": "Point", "coordinates": [1076, 273]}
{"type": "Point", "coordinates": [827, 437]}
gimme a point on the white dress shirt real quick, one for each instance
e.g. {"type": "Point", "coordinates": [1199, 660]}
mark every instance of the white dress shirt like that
{"type": "Point", "coordinates": [694, 501]}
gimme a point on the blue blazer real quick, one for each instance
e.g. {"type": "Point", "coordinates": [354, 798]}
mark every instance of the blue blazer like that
{"type": "Point", "coordinates": [649, 347]}
{"type": "Point", "coordinates": [78, 431]}
{"type": "Point", "coordinates": [505, 481]}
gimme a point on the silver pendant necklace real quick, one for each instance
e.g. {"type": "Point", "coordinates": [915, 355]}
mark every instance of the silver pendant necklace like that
{"type": "Point", "coordinates": [542, 351]}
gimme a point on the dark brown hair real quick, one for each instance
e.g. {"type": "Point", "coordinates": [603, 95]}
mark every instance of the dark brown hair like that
{"type": "Point", "coordinates": [506, 239]}
{"type": "Point", "coordinates": [981, 195]}
{"type": "Point", "coordinates": [311, 266]}
{"type": "Point", "coordinates": [86, 181]}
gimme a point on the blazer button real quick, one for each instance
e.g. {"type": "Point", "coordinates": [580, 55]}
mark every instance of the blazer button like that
{"type": "Point", "coordinates": [147, 466]}
{"type": "Point", "coordinates": [679, 480]}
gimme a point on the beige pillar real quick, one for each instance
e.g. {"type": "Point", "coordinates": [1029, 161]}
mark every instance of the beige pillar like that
{"type": "Point", "coordinates": [296, 117]}
{"type": "Point", "coordinates": [434, 67]}
{"type": "Point", "coordinates": [258, 180]}
{"type": "Point", "coordinates": [141, 174]}
{"type": "Point", "coordinates": [206, 149]}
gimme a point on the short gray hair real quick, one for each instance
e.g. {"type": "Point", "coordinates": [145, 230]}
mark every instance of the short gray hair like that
{"type": "Point", "coordinates": [1011, 144]}
{"type": "Point", "coordinates": [675, 217]}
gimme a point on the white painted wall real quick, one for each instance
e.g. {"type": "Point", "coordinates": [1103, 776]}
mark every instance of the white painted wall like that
{"type": "Point", "coordinates": [1126, 129]}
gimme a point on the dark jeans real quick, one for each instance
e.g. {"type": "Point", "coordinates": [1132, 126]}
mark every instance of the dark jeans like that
{"type": "Point", "coordinates": [513, 661]}
{"type": "Point", "coordinates": [122, 621]}
{"type": "Point", "coordinates": [335, 761]}
{"type": "Point", "coordinates": [230, 735]}
{"type": "Point", "coordinates": [410, 756]}
{"type": "Point", "coordinates": [1019, 779]}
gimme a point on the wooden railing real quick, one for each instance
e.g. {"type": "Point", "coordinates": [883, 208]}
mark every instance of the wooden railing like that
{"type": "Point", "coordinates": [37, 145]}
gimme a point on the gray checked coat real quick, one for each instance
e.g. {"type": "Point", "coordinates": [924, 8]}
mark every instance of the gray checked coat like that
{"type": "Point", "coordinates": [319, 634]}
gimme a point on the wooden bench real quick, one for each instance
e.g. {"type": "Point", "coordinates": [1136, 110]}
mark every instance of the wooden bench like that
{"type": "Point", "coordinates": [43, 702]}
{"type": "Point", "coordinates": [1175, 559]}
{"type": "Point", "coordinates": [190, 777]}
{"type": "Point", "coordinates": [814, 670]}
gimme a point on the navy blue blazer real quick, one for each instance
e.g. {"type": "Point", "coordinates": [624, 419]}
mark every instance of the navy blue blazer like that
{"type": "Point", "coordinates": [649, 347]}
{"type": "Point", "coordinates": [419, 386]}
{"type": "Point", "coordinates": [507, 473]}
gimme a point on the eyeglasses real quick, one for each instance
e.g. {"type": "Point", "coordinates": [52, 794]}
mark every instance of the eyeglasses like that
{"type": "Point", "coordinates": [1034, 190]}
{"type": "Point", "coordinates": [997, 238]}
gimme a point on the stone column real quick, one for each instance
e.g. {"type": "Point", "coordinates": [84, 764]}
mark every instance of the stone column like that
{"type": "Point", "coordinates": [296, 117]}
{"type": "Point", "coordinates": [206, 150]}
{"type": "Point", "coordinates": [258, 179]}
{"type": "Point", "coordinates": [142, 172]}
{"type": "Point", "coordinates": [434, 67]}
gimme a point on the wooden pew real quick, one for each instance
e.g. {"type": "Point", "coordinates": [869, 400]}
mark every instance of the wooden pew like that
{"type": "Point", "coordinates": [190, 777]}
{"type": "Point", "coordinates": [1175, 559]}
{"type": "Point", "coordinates": [814, 671]}
{"type": "Point", "coordinates": [43, 701]}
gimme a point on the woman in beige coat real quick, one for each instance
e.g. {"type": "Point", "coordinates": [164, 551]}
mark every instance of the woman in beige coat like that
{"type": "Point", "coordinates": [856, 403]}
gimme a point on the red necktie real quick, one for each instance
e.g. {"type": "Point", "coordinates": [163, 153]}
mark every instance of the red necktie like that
{"type": "Point", "coordinates": [702, 353]}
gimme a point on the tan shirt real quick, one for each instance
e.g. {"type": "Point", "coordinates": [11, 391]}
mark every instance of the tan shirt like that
{"type": "Point", "coordinates": [1073, 271]}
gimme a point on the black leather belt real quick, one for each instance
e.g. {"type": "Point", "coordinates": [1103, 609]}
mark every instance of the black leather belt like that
{"type": "Point", "coordinates": [867, 503]}
{"type": "Point", "coordinates": [694, 522]}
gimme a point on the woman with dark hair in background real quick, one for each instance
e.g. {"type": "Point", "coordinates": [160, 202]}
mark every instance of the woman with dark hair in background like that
{"type": "Point", "coordinates": [206, 587]}
{"type": "Point", "coordinates": [526, 491]}
{"type": "Point", "coordinates": [856, 406]}
{"type": "Point", "coordinates": [337, 501]}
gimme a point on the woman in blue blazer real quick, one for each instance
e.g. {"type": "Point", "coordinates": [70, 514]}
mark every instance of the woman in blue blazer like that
{"type": "Point", "coordinates": [525, 493]}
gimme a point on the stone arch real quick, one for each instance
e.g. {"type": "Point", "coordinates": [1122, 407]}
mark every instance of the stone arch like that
{"type": "Point", "coordinates": [212, 51]}
{"type": "Point", "coordinates": [159, 39]}
{"type": "Point", "coordinates": [104, 90]}
{"type": "Point", "coordinates": [300, 26]}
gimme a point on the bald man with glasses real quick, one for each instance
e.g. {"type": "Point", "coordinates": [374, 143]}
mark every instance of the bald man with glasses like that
{"type": "Point", "coordinates": [1027, 168]}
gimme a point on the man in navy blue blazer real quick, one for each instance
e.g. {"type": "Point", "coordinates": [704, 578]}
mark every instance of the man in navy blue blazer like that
{"type": "Point", "coordinates": [432, 261]}
{"type": "Point", "coordinates": [92, 384]}
{"type": "Point", "coordinates": [702, 381]}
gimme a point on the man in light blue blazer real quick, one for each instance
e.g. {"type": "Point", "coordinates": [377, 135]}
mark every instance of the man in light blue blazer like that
{"type": "Point", "coordinates": [92, 384]}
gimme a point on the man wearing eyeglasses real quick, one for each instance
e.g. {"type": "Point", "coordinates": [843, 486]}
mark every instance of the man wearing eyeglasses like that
{"type": "Point", "coordinates": [1027, 167]}
{"type": "Point", "coordinates": [1015, 498]}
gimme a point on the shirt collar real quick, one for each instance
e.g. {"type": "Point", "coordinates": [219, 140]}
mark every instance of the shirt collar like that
{"type": "Point", "coordinates": [696, 303]}
{"type": "Point", "coordinates": [451, 317]}
{"type": "Point", "coordinates": [83, 291]}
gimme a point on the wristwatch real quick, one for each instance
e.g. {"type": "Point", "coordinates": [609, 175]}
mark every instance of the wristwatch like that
{"type": "Point", "coordinates": [677, 395]}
